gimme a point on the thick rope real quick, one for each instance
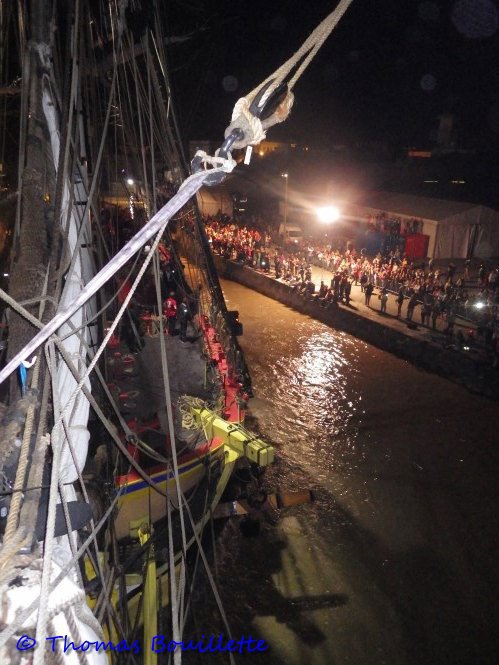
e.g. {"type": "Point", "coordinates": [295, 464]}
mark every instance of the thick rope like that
{"type": "Point", "coordinates": [22, 616]}
{"type": "Point", "coordinates": [141, 238]}
{"type": "Point", "coordinates": [93, 403]}
{"type": "Point", "coordinates": [185, 405]}
{"type": "Point", "coordinates": [22, 466]}
{"type": "Point", "coordinates": [177, 656]}
{"type": "Point", "coordinates": [57, 450]}
{"type": "Point", "coordinates": [254, 130]}
{"type": "Point", "coordinates": [209, 574]}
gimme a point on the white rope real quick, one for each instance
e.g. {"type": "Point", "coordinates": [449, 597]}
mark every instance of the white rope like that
{"type": "Point", "coordinates": [50, 525]}
{"type": "Point", "coordinates": [105, 421]}
{"type": "Point", "coordinates": [255, 130]}
{"type": "Point", "coordinates": [209, 574]}
{"type": "Point", "coordinates": [177, 656]}
{"type": "Point", "coordinates": [190, 186]}
{"type": "Point", "coordinates": [12, 629]}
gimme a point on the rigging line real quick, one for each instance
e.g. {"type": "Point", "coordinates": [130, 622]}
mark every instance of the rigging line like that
{"type": "Point", "coordinates": [176, 146]}
{"type": "Point", "coordinates": [43, 610]}
{"type": "Point", "coordinates": [157, 223]}
{"type": "Point", "coordinates": [216, 594]}
{"type": "Point", "coordinates": [14, 512]}
{"type": "Point", "coordinates": [52, 365]}
{"type": "Point", "coordinates": [177, 657]}
{"type": "Point", "coordinates": [177, 654]}
{"type": "Point", "coordinates": [242, 118]}
{"type": "Point", "coordinates": [96, 170]}
{"type": "Point", "coordinates": [22, 464]}
{"type": "Point", "coordinates": [120, 614]}
{"type": "Point", "coordinates": [105, 421]}
{"type": "Point", "coordinates": [66, 119]}
{"type": "Point", "coordinates": [102, 347]}
{"type": "Point", "coordinates": [164, 132]}
{"type": "Point", "coordinates": [168, 399]}
{"type": "Point", "coordinates": [23, 124]}
{"type": "Point", "coordinates": [136, 619]}
{"type": "Point", "coordinates": [190, 605]}
{"type": "Point", "coordinates": [141, 132]}
{"type": "Point", "coordinates": [154, 203]}
{"type": "Point", "coordinates": [109, 302]}
{"type": "Point", "coordinates": [35, 475]}
{"type": "Point", "coordinates": [213, 546]}
{"type": "Point", "coordinates": [62, 486]}
{"type": "Point", "coordinates": [29, 488]}
{"type": "Point", "coordinates": [130, 124]}
{"type": "Point", "coordinates": [22, 616]}
{"type": "Point", "coordinates": [42, 617]}
{"type": "Point", "coordinates": [160, 119]}
{"type": "Point", "coordinates": [102, 606]}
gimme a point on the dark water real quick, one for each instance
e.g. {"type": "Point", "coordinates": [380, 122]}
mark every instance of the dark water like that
{"type": "Point", "coordinates": [396, 561]}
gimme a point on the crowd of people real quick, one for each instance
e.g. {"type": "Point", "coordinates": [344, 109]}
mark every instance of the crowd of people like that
{"type": "Point", "coordinates": [440, 294]}
{"type": "Point", "coordinates": [381, 223]}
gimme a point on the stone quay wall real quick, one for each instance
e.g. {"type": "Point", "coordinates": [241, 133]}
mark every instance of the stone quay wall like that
{"type": "Point", "coordinates": [457, 366]}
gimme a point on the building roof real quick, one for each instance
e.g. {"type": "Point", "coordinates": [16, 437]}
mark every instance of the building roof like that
{"type": "Point", "coordinates": [411, 205]}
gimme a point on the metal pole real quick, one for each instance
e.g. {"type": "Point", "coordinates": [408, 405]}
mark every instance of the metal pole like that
{"type": "Point", "coordinates": [286, 179]}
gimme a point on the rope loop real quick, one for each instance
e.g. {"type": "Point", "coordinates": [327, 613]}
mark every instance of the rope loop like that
{"type": "Point", "coordinates": [289, 72]}
{"type": "Point", "coordinates": [250, 125]}
{"type": "Point", "coordinates": [225, 164]}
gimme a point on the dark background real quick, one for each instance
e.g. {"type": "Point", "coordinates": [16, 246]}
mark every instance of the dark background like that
{"type": "Point", "coordinates": [387, 72]}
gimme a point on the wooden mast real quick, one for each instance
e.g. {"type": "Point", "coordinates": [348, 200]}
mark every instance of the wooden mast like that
{"type": "Point", "coordinates": [32, 245]}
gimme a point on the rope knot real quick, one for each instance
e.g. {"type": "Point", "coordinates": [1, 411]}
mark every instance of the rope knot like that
{"type": "Point", "coordinates": [220, 165]}
{"type": "Point", "coordinates": [227, 164]}
{"type": "Point", "coordinates": [250, 125]}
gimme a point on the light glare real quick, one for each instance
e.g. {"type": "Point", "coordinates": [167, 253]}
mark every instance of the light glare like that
{"type": "Point", "coordinates": [328, 214]}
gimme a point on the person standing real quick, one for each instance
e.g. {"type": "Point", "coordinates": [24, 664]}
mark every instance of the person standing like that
{"type": "Point", "coordinates": [413, 301]}
{"type": "Point", "coordinates": [482, 273]}
{"type": "Point", "coordinates": [426, 310]}
{"type": "Point", "coordinates": [368, 291]}
{"type": "Point", "coordinates": [170, 311]}
{"type": "Point", "coordinates": [400, 302]}
{"type": "Point", "coordinates": [348, 291]}
{"type": "Point", "coordinates": [451, 318]}
{"type": "Point", "coordinates": [384, 300]}
{"type": "Point", "coordinates": [184, 316]}
{"type": "Point", "coordinates": [435, 313]}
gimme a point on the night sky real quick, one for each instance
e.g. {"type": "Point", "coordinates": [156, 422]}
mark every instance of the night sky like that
{"type": "Point", "coordinates": [387, 72]}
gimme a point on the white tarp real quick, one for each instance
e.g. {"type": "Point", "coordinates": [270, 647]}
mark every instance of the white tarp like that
{"type": "Point", "coordinates": [474, 232]}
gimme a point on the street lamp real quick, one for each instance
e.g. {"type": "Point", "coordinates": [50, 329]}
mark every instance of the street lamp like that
{"type": "Point", "coordinates": [286, 178]}
{"type": "Point", "coordinates": [328, 214]}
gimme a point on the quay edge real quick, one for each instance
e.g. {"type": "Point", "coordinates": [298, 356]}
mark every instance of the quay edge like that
{"type": "Point", "coordinates": [457, 366]}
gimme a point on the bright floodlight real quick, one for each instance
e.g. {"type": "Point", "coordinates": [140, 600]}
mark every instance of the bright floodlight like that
{"type": "Point", "coordinates": [130, 181]}
{"type": "Point", "coordinates": [328, 214]}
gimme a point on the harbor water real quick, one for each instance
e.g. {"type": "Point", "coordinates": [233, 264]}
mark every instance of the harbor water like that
{"type": "Point", "coordinates": [396, 560]}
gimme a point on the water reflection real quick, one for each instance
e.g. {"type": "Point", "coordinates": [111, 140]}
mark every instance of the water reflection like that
{"type": "Point", "coordinates": [394, 563]}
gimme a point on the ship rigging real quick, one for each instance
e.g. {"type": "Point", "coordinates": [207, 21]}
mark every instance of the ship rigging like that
{"type": "Point", "coordinates": [97, 515]}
